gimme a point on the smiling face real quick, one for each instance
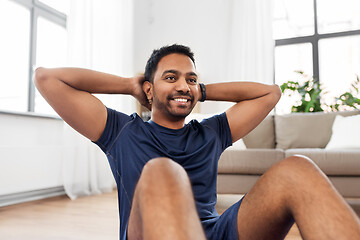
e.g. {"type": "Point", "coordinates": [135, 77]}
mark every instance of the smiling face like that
{"type": "Point", "coordinates": [175, 88]}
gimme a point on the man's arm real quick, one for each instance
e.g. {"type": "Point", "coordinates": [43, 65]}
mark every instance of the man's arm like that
{"type": "Point", "coordinates": [68, 91]}
{"type": "Point", "coordinates": [254, 101]}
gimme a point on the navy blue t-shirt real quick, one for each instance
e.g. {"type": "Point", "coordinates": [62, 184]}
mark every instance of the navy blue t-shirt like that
{"type": "Point", "coordinates": [129, 143]}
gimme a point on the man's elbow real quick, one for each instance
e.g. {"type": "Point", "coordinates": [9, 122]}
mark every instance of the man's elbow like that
{"type": "Point", "coordinates": [276, 93]}
{"type": "Point", "coordinates": [40, 76]}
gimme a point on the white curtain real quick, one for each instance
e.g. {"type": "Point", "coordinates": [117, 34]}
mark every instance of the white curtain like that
{"type": "Point", "coordinates": [251, 46]}
{"type": "Point", "coordinates": [85, 167]}
{"type": "Point", "coordinates": [99, 34]}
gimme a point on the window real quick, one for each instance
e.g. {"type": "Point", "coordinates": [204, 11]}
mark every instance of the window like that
{"type": "Point", "coordinates": [33, 34]}
{"type": "Point", "coordinates": [51, 51]}
{"type": "Point", "coordinates": [14, 57]}
{"type": "Point", "coordinates": [320, 38]}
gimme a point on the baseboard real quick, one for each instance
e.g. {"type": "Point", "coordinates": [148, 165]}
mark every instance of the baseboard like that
{"type": "Point", "coordinates": [15, 198]}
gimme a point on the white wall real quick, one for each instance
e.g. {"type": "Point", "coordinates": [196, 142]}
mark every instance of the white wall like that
{"type": "Point", "coordinates": [30, 153]}
{"type": "Point", "coordinates": [203, 25]}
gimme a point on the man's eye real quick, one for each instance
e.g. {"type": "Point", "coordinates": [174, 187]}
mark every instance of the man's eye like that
{"type": "Point", "coordinates": [192, 80]}
{"type": "Point", "coordinates": [170, 78]}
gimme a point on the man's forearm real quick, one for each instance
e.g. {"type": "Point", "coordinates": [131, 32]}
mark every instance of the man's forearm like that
{"type": "Point", "coordinates": [87, 80]}
{"type": "Point", "coordinates": [239, 91]}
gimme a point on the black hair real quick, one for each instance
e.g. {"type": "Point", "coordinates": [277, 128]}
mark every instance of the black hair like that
{"type": "Point", "coordinates": [158, 54]}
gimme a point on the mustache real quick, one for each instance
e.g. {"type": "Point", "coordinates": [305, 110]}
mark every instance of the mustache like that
{"type": "Point", "coordinates": [172, 96]}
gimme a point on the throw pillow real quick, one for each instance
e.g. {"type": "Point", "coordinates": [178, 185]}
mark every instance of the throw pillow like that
{"type": "Point", "coordinates": [345, 133]}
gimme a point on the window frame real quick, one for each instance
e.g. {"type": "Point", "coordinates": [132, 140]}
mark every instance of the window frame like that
{"type": "Point", "coordinates": [314, 40]}
{"type": "Point", "coordinates": [38, 9]}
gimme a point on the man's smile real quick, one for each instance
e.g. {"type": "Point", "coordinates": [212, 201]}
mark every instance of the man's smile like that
{"type": "Point", "coordinates": [181, 99]}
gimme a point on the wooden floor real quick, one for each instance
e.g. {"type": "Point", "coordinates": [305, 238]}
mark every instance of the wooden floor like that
{"type": "Point", "coordinates": [90, 218]}
{"type": "Point", "coordinates": [94, 217]}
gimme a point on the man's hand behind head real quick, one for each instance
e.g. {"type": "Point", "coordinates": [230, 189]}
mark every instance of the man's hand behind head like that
{"type": "Point", "coordinates": [138, 91]}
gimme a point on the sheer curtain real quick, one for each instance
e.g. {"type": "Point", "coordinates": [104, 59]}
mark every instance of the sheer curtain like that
{"type": "Point", "coordinates": [99, 34]}
{"type": "Point", "coordinates": [251, 46]}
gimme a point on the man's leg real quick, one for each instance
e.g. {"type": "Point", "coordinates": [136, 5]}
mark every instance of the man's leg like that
{"type": "Point", "coordinates": [296, 189]}
{"type": "Point", "coordinates": [163, 204]}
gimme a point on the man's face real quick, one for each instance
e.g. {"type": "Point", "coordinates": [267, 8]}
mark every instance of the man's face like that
{"type": "Point", "coordinates": [175, 86]}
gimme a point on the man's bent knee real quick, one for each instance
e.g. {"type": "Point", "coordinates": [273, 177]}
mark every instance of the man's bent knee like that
{"type": "Point", "coordinates": [295, 170]}
{"type": "Point", "coordinates": [165, 172]}
{"type": "Point", "coordinates": [299, 163]}
{"type": "Point", "coordinates": [162, 163]}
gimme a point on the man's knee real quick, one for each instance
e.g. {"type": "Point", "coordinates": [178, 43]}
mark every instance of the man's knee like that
{"type": "Point", "coordinates": [295, 169]}
{"type": "Point", "coordinates": [297, 161]}
{"type": "Point", "coordinates": [163, 166]}
{"type": "Point", "coordinates": [163, 172]}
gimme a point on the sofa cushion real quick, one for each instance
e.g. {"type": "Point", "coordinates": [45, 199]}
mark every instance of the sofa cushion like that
{"type": "Point", "coordinates": [263, 136]}
{"type": "Point", "coordinates": [249, 161]}
{"type": "Point", "coordinates": [305, 130]}
{"type": "Point", "coordinates": [332, 162]}
{"type": "Point", "coordinates": [235, 183]}
{"type": "Point", "coordinates": [348, 186]}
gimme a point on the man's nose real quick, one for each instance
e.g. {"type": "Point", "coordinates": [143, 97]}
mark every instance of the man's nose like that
{"type": "Point", "coordinates": [182, 85]}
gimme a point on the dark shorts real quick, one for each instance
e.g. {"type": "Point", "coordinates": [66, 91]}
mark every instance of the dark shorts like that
{"type": "Point", "coordinates": [223, 227]}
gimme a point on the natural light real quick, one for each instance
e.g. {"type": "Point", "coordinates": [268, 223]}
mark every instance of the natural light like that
{"type": "Point", "coordinates": [337, 56]}
{"type": "Point", "coordinates": [338, 59]}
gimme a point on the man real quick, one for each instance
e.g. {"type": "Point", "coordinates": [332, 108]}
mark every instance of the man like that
{"type": "Point", "coordinates": [166, 170]}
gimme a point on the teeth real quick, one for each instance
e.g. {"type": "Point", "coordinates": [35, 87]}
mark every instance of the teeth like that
{"type": "Point", "coordinates": [180, 100]}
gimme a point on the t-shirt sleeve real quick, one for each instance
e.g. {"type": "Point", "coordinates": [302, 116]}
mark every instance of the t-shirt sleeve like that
{"type": "Point", "coordinates": [220, 125]}
{"type": "Point", "coordinates": [114, 123]}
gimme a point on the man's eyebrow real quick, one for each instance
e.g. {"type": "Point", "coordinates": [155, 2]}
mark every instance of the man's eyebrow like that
{"type": "Point", "coordinates": [192, 74]}
{"type": "Point", "coordinates": [170, 71]}
{"type": "Point", "coordinates": [177, 72]}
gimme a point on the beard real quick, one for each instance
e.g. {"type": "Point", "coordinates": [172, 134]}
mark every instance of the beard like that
{"type": "Point", "coordinates": [175, 112]}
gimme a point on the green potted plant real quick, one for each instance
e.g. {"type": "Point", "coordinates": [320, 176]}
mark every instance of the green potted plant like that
{"type": "Point", "coordinates": [348, 100]}
{"type": "Point", "coordinates": [311, 92]}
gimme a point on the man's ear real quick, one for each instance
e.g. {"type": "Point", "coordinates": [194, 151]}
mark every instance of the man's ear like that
{"type": "Point", "coordinates": [148, 89]}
